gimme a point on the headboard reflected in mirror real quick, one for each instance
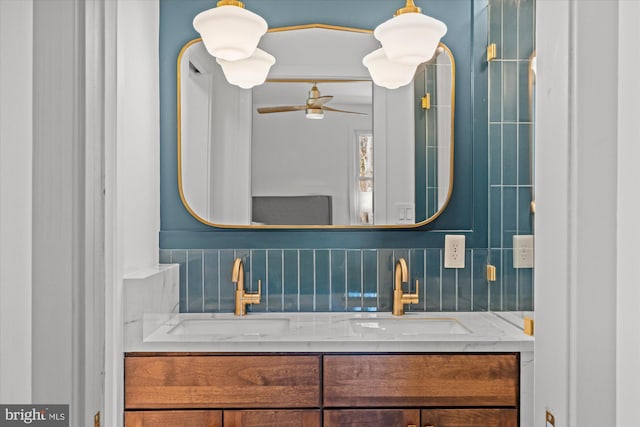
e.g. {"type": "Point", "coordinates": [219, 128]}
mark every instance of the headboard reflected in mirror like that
{"type": "Point", "coordinates": [375, 158]}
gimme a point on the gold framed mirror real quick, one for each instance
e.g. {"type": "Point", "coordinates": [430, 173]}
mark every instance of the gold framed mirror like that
{"type": "Point", "coordinates": [253, 158]}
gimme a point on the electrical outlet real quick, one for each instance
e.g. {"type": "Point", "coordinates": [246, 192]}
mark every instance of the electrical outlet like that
{"type": "Point", "coordinates": [453, 251]}
{"type": "Point", "coordinates": [523, 251]}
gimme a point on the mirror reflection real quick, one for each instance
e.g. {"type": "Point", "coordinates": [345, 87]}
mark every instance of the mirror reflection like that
{"type": "Point", "coordinates": [318, 144]}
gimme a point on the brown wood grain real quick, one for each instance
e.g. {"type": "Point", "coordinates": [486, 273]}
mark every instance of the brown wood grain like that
{"type": "Point", "coordinates": [371, 417]}
{"type": "Point", "coordinates": [421, 380]}
{"type": "Point", "coordinates": [272, 418]}
{"type": "Point", "coordinates": [173, 419]}
{"type": "Point", "coordinates": [222, 382]}
{"type": "Point", "coordinates": [470, 417]}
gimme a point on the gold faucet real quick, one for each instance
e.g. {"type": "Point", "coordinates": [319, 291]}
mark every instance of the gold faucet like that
{"type": "Point", "coordinates": [243, 298]}
{"type": "Point", "coordinates": [399, 297]}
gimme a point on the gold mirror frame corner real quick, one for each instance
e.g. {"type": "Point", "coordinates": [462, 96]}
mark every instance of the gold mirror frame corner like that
{"type": "Point", "coordinates": [313, 227]}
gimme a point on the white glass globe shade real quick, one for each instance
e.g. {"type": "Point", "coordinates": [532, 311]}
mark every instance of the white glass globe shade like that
{"type": "Point", "coordinates": [410, 38]}
{"type": "Point", "coordinates": [386, 73]}
{"type": "Point", "coordinates": [248, 72]}
{"type": "Point", "coordinates": [230, 32]}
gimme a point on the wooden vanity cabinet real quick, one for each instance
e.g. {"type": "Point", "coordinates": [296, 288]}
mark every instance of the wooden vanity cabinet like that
{"type": "Point", "coordinates": [432, 380]}
{"type": "Point", "coordinates": [333, 390]}
{"type": "Point", "coordinates": [224, 382]}
{"type": "Point", "coordinates": [487, 382]}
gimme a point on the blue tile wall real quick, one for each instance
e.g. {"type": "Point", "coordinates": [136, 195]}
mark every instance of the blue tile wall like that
{"type": "Point", "coordinates": [467, 210]}
{"type": "Point", "coordinates": [320, 280]}
{"type": "Point", "coordinates": [511, 28]}
{"type": "Point", "coordinates": [302, 270]}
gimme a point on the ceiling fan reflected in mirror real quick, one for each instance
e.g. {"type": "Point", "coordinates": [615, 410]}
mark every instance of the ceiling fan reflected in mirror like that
{"type": "Point", "coordinates": [314, 107]}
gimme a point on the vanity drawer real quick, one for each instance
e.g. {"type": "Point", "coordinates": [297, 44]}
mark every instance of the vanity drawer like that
{"type": "Point", "coordinates": [470, 417]}
{"type": "Point", "coordinates": [173, 419]}
{"type": "Point", "coordinates": [371, 417]}
{"type": "Point", "coordinates": [277, 418]}
{"type": "Point", "coordinates": [421, 380]}
{"type": "Point", "coordinates": [222, 381]}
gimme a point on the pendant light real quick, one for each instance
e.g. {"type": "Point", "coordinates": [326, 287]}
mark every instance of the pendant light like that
{"type": "Point", "coordinates": [229, 31]}
{"type": "Point", "coordinates": [386, 73]}
{"type": "Point", "coordinates": [410, 37]}
{"type": "Point", "coordinates": [248, 72]}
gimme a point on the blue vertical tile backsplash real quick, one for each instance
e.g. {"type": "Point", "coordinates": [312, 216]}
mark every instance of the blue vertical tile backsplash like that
{"type": "Point", "coordinates": [512, 29]}
{"type": "Point", "coordinates": [321, 279]}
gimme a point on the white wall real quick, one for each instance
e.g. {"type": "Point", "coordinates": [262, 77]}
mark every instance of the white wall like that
{"type": "Point", "coordinates": [587, 345]}
{"type": "Point", "coordinates": [315, 153]}
{"type": "Point", "coordinates": [230, 141]}
{"type": "Point", "coordinates": [131, 167]}
{"type": "Point", "coordinates": [628, 209]}
{"type": "Point", "coordinates": [394, 151]}
{"type": "Point", "coordinates": [57, 199]}
{"type": "Point", "coordinates": [195, 136]}
{"type": "Point", "coordinates": [138, 136]}
{"type": "Point", "coordinates": [16, 149]}
{"type": "Point", "coordinates": [552, 244]}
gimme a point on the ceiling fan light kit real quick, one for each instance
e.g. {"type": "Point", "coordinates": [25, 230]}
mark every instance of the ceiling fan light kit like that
{"type": "Point", "coordinates": [314, 113]}
{"type": "Point", "coordinates": [231, 34]}
{"type": "Point", "coordinates": [314, 108]}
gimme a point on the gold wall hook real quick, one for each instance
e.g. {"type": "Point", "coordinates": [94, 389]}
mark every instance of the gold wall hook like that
{"type": "Point", "coordinates": [492, 52]}
{"type": "Point", "coordinates": [491, 273]}
{"type": "Point", "coordinates": [426, 101]}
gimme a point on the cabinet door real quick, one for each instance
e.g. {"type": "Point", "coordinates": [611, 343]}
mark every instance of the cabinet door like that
{"type": "Point", "coordinates": [221, 382]}
{"type": "Point", "coordinates": [401, 381]}
{"type": "Point", "coordinates": [275, 418]}
{"type": "Point", "coordinates": [173, 419]}
{"type": "Point", "coordinates": [470, 417]}
{"type": "Point", "coordinates": [371, 417]}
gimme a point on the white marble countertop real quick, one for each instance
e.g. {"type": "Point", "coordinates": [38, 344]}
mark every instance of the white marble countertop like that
{"type": "Point", "coordinates": [152, 324]}
{"type": "Point", "coordinates": [329, 332]}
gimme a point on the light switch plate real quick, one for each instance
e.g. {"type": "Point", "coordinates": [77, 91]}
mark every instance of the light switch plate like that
{"type": "Point", "coordinates": [523, 251]}
{"type": "Point", "coordinates": [405, 213]}
{"type": "Point", "coordinates": [454, 251]}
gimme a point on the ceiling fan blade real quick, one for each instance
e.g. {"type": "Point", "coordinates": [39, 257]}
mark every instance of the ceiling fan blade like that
{"type": "Point", "coordinates": [282, 109]}
{"type": "Point", "coordinates": [343, 111]}
{"type": "Point", "coordinates": [319, 101]}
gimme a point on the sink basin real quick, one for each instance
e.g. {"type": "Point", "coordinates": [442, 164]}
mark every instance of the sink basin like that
{"type": "Point", "coordinates": [238, 327]}
{"type": "Point", "coordinates": [407, 326]}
